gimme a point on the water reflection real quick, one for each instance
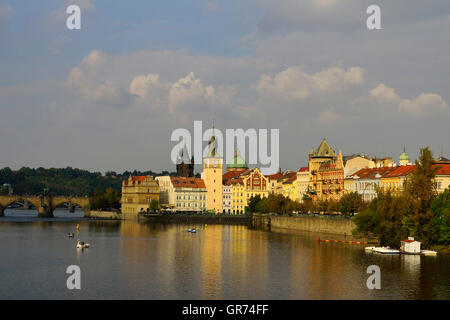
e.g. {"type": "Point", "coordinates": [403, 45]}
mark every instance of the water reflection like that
{"type": "Point", "coordinates": [141, 260]}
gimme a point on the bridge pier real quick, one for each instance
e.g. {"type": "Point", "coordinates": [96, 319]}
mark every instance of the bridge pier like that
{"type": "Point", "coordinates": [45, 212]}
{"type": "Point", "coordinates": [26, 205]}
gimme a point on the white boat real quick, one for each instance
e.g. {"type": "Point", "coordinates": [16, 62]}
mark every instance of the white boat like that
{"type": "Point", "coordinates": [429, 252]}
{"type": "Point", "coordinates": [386, 250]}
{"type": "Point", "coordinates": [82, 244]}
{"type": "Point", "coordinates": [370, 249]}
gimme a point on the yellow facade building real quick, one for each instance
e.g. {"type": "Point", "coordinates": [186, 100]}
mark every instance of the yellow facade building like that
{"type": "Point", "coordinates": [245, 184]}
{"type": "Point", "coordinates": [138, 192]}
{"type": "Point", "coordinates": [327, 173]}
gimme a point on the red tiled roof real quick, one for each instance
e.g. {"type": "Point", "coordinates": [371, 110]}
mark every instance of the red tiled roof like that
{"type": "Point", "coordinates": [291, 179]}
{"type": "Point", "coordinates": [443, 169]}
{"type": "Point", "coordinates": [182, 182]}
{"type": "Point", "coordinates": [135, 178]}
{"type": "Point", "coordinates": [274, 176]}
{"type": "Point", "coordinates": [303, 169]}
{"type": "Point", "coordinates": [407, 240]}
{"type": "Point", "coordinates": [231, 174]}
{"type": "Point", "coordinates": [371, 173]}
{"type": "Point", "coordinates": [401, 171]}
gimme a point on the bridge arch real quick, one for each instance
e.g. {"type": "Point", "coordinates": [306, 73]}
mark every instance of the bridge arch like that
{"type": "Point", "coordinates": [6, 201]}
{"type": "Point", "coordinates": [84, 203]}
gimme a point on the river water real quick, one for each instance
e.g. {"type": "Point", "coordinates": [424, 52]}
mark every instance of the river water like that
{"type": "Point", "coordinates": [141, 260]}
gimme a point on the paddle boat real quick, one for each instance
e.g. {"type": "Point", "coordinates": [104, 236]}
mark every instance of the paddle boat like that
{"type": "Point", "coordinates": [428, 252]}
{"type": "Point", "coordinates": [82, 245]}
{"type": "Point", "coordinates": [192, 230]}
{"type": "Point", "coordinates": [385, 250]}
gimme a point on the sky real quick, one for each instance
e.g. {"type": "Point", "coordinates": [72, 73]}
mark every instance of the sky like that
{"type": "Point", "coordinates": [108, 96]}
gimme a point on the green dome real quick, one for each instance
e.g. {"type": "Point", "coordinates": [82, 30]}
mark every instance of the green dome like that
{"type": "Point", "coordinates": [404, 156]}
{"type": "Point", "coordinates": [237, 162]}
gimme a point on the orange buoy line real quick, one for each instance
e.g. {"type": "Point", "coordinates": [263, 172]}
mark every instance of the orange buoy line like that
{"type": "Point", "coordinates": [343, 241]}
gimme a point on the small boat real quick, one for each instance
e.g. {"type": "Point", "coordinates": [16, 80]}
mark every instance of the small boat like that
{"type": "Point", "coordinates": [69, 235]}
{"type": "Point", "coordinates": [429, 252]}
{"type": "Point", "coordinates": [386, 250]}
{"type": "Point", "coordinates": [370, 249]}
{"type": "Point", "coordinates": [82, 244]}
{"type": "Point", "coordinates": [192, 230]}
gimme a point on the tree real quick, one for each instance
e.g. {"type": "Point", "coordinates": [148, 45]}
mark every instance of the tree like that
{"type": "Point", "coordinates": [384, 217]}
{"type": "Point", "coordinates": [420, 191]}
{"type": "Point", "coordinates": [441, 218]}
{"type": "Point", "coordinates": [253, 203]}
{"type": "Point", "coordinates": [112, 198]}
{"type": "Point", "coordinates": [154, 205]}
{"type": "Point", "coordinates": [350, 203]}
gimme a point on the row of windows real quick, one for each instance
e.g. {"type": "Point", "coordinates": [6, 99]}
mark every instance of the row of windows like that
{"type": "Point", "coordinates": [194, 205]}
{"type": "Point", "coordinates": [201, 197]}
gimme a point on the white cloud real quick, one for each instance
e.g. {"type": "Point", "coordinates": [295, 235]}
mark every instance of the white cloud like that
{"type": "Point", "coordinates": [86, 81]}
{"type": "Point", "coordinates": [293, 84]}
{"type": "Point", "coordinates": [189, 90]}
{"type": "Point", "coordinates": [422, 104]}
{"type": "Point", "coordinates": [329, 116]}
{"type": "Point", "coordinates": [384, 94]}
{"type": "Point", "coordinates": [95, 59]}
{"type": "Point", "coordinates": [416, 107]}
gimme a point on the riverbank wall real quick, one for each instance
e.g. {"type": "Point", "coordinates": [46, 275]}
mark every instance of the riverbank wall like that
{"type": "Point", "coordinates": [186, 218]}
{"type": "Point", "coordinates": [94, 214]}
{"type": "Point", "coordinates": [318, 224]}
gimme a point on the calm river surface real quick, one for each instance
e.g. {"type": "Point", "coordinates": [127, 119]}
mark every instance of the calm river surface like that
{"type": "Point", "coordinates": [139, 260]}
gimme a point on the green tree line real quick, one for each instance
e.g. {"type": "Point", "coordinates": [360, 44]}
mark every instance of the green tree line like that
{"type": "Point", "coordinates": [417, 211]}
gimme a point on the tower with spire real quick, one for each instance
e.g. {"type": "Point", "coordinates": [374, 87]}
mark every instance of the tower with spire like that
{"type": "Point", "coordinates": [212, 175]}
{"type": "Point", "coordinates": [404, 158]}
{"type": "Point", "coordinates": [185, 166]}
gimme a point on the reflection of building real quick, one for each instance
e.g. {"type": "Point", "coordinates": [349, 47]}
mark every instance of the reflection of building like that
{"type": "Point", "coordinates": [138, 192]}
{"type": "Point", "coordinates": [212, 175]}
{"type": "Point", "coordinates": [327, 173]}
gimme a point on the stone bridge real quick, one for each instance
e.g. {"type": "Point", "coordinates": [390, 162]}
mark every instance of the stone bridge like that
{"type": "Point", "coordinates": [45, 204]}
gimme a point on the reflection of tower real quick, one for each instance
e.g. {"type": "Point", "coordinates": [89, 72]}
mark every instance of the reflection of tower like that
{"type": "Point", "coordinates": [404, 158]}
{"type": "Point", "coordinates": [212, 175]}
{"type": "Point", "coordinates": [212, 263]}
{"type": "Point", "coordinates": [185, 167]}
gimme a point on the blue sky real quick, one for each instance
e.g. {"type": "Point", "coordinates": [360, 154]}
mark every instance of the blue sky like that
{"type": "Point", "coordinates": [108, 96]}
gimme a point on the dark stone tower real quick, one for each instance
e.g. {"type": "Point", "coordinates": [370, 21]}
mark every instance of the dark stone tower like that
{"type": "Point", "coordinates": [184, 168]}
